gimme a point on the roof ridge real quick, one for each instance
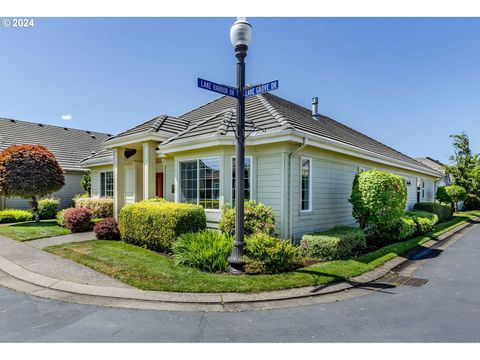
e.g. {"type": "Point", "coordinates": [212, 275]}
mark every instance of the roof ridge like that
{"type": "Point", "coordinates": [57, 126]}
{"type": "Point", "coordinates": [227, 117]}
{"type": "Point", "coordinates": [195, 125]}
{"type": "Point", "coordinates": [164, 117]}
{"type": "Point", "coordinates": [284, 123]}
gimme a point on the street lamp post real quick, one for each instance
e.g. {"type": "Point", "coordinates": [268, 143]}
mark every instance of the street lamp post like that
{"type": "Point", "coordinates": [240, 36]}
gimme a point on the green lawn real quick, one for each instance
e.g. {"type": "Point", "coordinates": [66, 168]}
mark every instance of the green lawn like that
{"type": "Point", "coordinates": [146, 269]}
{"type": "Point", "coordinates": [30, 230]}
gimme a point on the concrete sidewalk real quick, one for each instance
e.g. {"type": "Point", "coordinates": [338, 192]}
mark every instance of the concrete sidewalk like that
{"type": "Point", "coordinates": [33, 271]}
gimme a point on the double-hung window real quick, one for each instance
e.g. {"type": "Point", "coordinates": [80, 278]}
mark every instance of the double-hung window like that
{"type": "Point", "coordinates": [200, 182]}
{"type": "Point", "coordinates": [306, 183]}
{"type": "Point", "coordinates": [106, 184]}
{"type": "Point", "coordinates": [248, 178]}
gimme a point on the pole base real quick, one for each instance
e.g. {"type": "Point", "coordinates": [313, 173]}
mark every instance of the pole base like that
{"type": "Point", "coordinates": [234, 270]}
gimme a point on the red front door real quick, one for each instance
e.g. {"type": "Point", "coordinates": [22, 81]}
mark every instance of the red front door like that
{"type": "Point", "coordinates": [159, 184]}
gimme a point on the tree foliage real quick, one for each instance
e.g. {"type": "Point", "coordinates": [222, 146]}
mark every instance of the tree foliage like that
{"type": "Point", "coordinates": [465, 169]}
{"type": "Point", "coordinates": [30, 172]}
{"type": "Point", "coordinates": [378, 198]}
{"type": "Point", "coordinates": [86, 183]}
{"type": "Point", "coordinates": [451, 195]}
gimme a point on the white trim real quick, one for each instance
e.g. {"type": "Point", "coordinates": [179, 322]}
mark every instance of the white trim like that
{"type": "Point", "coordinates": [251, 177]}
{"type": "Point", "coordinates": [178, 180]}
{"type": "Point", "coordinates": [297, 136]}
{"type": "Point", "coordinates": [310, 185]}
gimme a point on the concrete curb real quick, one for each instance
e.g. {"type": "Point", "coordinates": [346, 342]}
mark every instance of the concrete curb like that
{"type": "Point", "coordinates": [48, 287]}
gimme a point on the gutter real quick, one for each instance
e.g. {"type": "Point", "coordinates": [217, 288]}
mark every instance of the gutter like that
{"type": "Point", "coordinates": [288, 231]}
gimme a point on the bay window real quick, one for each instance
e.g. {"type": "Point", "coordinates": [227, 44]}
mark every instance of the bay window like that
{"type": "Point", "coordinates": [200, 182]}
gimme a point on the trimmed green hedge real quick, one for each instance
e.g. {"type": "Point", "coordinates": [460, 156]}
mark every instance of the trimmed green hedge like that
{"type": "Point", "coordinates": [156, 226]}
{"type": "Point", "coordinates": [378, 236]}
{"type": "Point", "coordinates": [265, 254]}
{"type": "Point", "coordinates": [424, 220]}
{"type": "Point", "coordinates": [341, 242]}
{"type": "Point", "coordinates": [15, 215]}
{"type": "Point", "coordinates": [444, 212]}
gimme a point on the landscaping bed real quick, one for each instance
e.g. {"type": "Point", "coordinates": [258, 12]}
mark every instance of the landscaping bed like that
{"type": "Point", "coordinates": [149, 270]}
{"type": "Point", "coordinates": [31, 230]}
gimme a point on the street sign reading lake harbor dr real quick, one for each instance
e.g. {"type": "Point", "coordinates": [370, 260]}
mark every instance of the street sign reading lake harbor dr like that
{"type": "Point", "coordinates": [219, 88]}
{"type": "Point", "coordinates": [231, 91]}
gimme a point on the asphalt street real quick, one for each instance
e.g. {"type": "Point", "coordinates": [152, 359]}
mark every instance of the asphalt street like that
{"type": "Point", "coordinates": [445, 309]}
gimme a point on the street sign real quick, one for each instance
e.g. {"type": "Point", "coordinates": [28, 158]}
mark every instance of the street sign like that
{"type": "Point", "coordinates": [261, 88]}
{"type": "Point", "coordinates": [219, 88]}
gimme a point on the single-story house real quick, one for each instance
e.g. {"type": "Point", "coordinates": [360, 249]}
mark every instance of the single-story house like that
{"type": "Point", "coordinates": [69, 146]}
{"type": "Point", "coordinates": [300, 163]}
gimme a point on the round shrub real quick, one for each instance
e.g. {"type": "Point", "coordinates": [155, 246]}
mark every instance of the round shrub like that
{"type": "Point", "coordinates": [443, 212]}
{"type": "Point", "coordinates": [378, 236]}
{"type": "Point", "coordinates": [60, 217]}
{"type": "Point", "coordinates": [106, 229]}
{"type": "Point", "coordinates": [47, 208]}
{"type": "Point", "coordinates": [205, 250]}
{"type": "Point", "coordinates": [265, 254]}
{"type": "Point", "coordinates": [451, 194]}
{"type": "Point", "coordinates": [341, 242]}
{"type": "Point", "coordinates": [100, 207]}
{"type": "Point", "coordinates": [258, 218]}
{"type": "Point", "coordinates": [156, 226]}
{"type": "Point", "coordinates": [15, 215]}
{"type": "Point", "coordinates": [78, 219]}
{"type": "Point", "coordinates": [378, 198]}
{"type": "Point", "coordinates": [425, 221]}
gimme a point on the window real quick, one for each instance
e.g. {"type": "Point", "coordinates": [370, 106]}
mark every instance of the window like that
{"type": "Point", "coordinates": [306, 184]}
{"type": "Point", "coordinates": [248, 178]}
{"type": "Point", "coordinates": [200, 182]}
{"type": "Point", "coordinates": [106, 184]}
{"type": "Point", "coordinates": [423, 189]}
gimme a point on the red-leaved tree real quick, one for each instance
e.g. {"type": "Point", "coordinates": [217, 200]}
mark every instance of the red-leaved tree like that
{"type": "Point", "coordinates": [30, 172]}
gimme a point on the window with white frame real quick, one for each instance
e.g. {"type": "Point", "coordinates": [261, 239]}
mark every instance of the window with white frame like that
{"type": "Point", "coordinates": [200, 182]}
{"type": "Point", "coordinates": [106, 184]}
{"type": "Point", "coordinates": [306, 183]}
{"type": "Point", "coordinates": [248, 178]}
{"type": "Point", "coordinates": [423, 189]}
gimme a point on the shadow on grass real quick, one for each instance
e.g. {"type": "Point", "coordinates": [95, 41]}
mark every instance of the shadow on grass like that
{"type": "Point", "coordinates": [42, 223]}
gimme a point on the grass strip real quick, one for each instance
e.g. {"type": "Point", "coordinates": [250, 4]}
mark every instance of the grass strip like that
{"type": "Point", "coordinates": [148, 270]}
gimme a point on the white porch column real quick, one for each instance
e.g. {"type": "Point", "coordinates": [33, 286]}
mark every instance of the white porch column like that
{"type": "Point", "coordinates": [149, 169]}
{"type": "Point", "coordinates": [118, 180]}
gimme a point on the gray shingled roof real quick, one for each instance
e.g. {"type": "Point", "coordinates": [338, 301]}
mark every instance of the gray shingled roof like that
{"type": "Point", "coordinates": [432, 163]}
{"type": "Point", "coordinates": [168, 125]}
{"type": "Point", "coordinates": [70, 146]}
{"type": "Point", "coordinates": [272, 113]}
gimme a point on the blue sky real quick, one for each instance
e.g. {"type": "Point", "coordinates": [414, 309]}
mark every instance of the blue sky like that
{"type": "Point", "coordinates": [408, 82]}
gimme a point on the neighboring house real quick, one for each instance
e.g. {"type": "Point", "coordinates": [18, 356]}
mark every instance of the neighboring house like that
{"type": "Point", "coordinates": [438, 166]}
{"type": "Point", "coordinates": [301, 164]}
{"type": "Point", "coordinates": [70, 146]}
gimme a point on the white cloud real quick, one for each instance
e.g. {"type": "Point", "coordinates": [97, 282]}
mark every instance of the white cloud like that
{"type": "Point", "coordinates": [67, 117]}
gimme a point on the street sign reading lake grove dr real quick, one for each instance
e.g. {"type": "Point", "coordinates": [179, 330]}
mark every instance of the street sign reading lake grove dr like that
{"type": "Point", "coordinates": [261, 88]}
{"type": "Point", "coordinates": [232, 91]}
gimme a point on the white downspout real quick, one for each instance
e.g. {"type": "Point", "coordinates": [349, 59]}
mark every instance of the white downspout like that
{"type": "Point", "coordinates": [290, 187]}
